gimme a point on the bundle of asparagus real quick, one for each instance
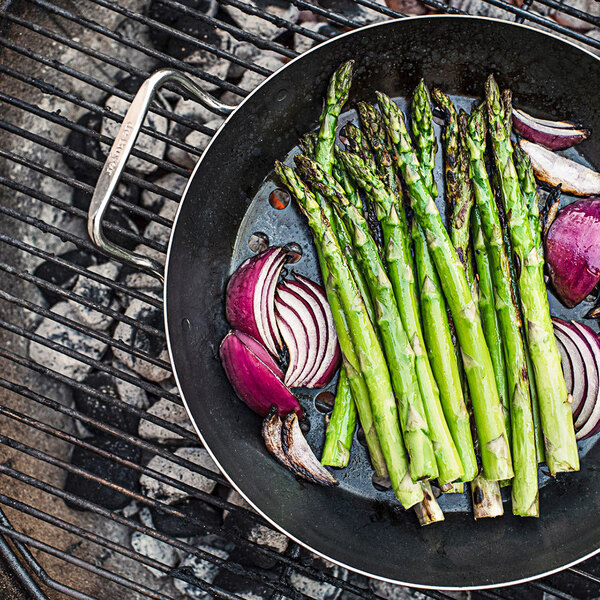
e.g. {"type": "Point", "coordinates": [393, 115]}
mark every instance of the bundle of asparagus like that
{"type": "Point", "coordinates": [447, 361]}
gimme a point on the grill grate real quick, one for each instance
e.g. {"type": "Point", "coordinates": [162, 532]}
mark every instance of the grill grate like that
{"type": "Point", "coordinates": [59, 62]}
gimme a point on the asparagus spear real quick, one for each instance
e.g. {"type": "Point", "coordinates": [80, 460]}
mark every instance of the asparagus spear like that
{"type": "Point", "coordinates": [424, 135]}
{"type": "Point", "coordinates": [335, 98]}
{"type": "Point", "coordinates": [524, 484]}
{"type": "Point", "coordinates": [340, 427]}
{"type": "Point", "coordinates": [399, 353]}
{"type": "Point", "coordinates": [323, 144]}
{"type": "Point", "coordinates": [487, 409]}
{"type": "Point", "coordinates": [556, 416]}
{"type": "Point", "coordinates": [428, 510]}
{"type": "Point", "coordinates": [400, 266]}
{"type": "Point", "coordinates": [363, 341]}
{"type": "Point", "coordinates": [529, 189]}
{"type": "Point", "coordinates": [439, 346]}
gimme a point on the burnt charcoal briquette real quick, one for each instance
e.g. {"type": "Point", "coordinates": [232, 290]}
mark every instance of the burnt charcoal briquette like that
{"type": "Point", "coordinates": [195, 509]}
{"type": "Point", "coordinates": [62, 276]}
{"type": "Point", "coordinates": [85, 144]}
{"type": "Point", "coordinates": [118, 217]}
{"type": "Point", "coordinates": [200, 30]}
{"type": "Point", "coordinates": [126, 191]}
{"type": "Point", "coordinates": [239, 583]}
{"type": "Point", "coordinates": [169, 16]}
{"type": "Point", "coordinates": [106, 468]}
{"type": "Point", "coordinates": [106, 412]}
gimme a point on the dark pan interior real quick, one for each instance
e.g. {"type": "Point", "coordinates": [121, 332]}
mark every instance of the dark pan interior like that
{"type": "Point", "coordinates": [351, 524]}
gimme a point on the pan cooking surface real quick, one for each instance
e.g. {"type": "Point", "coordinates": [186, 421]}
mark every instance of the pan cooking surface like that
{"type": "Point", "coordinates": [226, 201]}
{"type": "Point", "coordinates": [289, 225]}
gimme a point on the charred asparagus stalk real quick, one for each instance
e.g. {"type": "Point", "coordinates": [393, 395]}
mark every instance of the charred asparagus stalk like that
{"type": "Point", "coordinates": [524, 484]}
{"type": "Point", "coordinates": [424, 135]}
{"type": "Point", "coordinates": [495, 452]}
{"type": "Point", "coordinates": [399, 353]}
{"type": "Point", "coordinates": [364, 343]}
{"type": "Point", "coordinates": [556, 417]}
{"type": "Point", "coordinates": [323, 146]}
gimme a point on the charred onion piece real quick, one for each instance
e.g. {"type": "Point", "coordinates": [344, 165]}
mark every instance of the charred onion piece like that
{"type": "Point", "coordinates": [271, 432]}
{"type": "Point", "coordinates": [299, 453]}
{"type": "Point", "coordinates": [253, 380]}
{"type": "Point", "coordinates": [555, 135]}
{"type": "Point", "coordinates": [554, 169]}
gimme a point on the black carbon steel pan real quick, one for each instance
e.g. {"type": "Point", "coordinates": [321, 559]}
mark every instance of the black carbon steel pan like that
{"type": "Point", "coordinates": [354, 524]}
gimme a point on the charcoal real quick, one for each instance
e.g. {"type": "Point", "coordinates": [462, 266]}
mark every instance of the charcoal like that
{"type": "Point", "coordinates": [155, 549]}
{"type": "Point", "coordinates": [143, 341]}
{"type": "Point", "coordinates": [303, 43]}
{"type": "Point", "coordinates": [84, 144]}
{"type": "Point", "coordinates": [250, 79]}
{"type": "Point", "coordinates": [591, 7]}
{"type": "Point", "coordinates": [167, 411]}
{"type": "Point", "coordinates": [239, 584]}
{"type": "Point", "coordinates": [69, 338]}
{"type": "Point", "coordinates": [106, 412]}
{"type": "Point", "coordinates": [258, 26]}
{"type": "Point", "coordinates": [101, 295]}
{"type": "Point", "coordinates": [62, 276]}
{"type": "Point", "coordinates": [154, 201]}
{"type": "Point", "coordinates": [167, 15]}
{"type": "Point", "coordinates": [128, 392]}
{"type": "Point", "coordinates": [319, 590]}
{"type": "Point", "coordinates": [391, 591]}
{"type": "Point", "coordinates": [125, 191]}
{"type": "Point", "coordinates": [476, 7]}
{"type": "Point", "coordinates": [167, 493]}
{"type": "Point", "coordinates": [254, 532]}
{"type": "Point", "coordinates": [117, 217]}
{"type": "Point", "coordinates": [244, 51]}
{"type": "Point", "coordinates": [202, 569]}
{"type": "Point", "coordinates": [106, 468]}
{"type": "Point", "coordinates": [193, 508]}
{"type": "Point", "coordinates": [158, 232]}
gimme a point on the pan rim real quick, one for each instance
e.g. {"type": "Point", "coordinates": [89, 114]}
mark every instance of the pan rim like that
{"type": "Point", "coordinates": [168, 333]}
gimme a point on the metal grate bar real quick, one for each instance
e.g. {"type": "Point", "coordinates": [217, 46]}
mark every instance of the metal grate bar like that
{"type": "Point", "coordinates": [78, 562]}
{"type": "Point", "coordinates": [68, 295]}
{"type": "Point", "coordinates": [160, 27]}
{"type": "Point", "coordinates": [255, 40]}
{"type": "Point", "coordinates": [73, 210]}
{"type": "Point", "coordinates": [65, 151]}
{"type": "Point", "coordinates": [279, 21]}
{"type": "Point", "coordinates": [104, 58]}
{"type": "Point", "coordinates": [565, 8]}
{"type": "Point", "coordinates": [86, 188]}
{"type": "Point", "coordinates": [99, 365]}
{"type": "Point", "coordinates": [222, 563]}
{"type": "Point", "coordinates": [159, 162]}
{"type": "Point", "coordinates": [134, 440]}
{"type": "Point", "coordinates": [99, 335]}
{"type": "Point", "coordinates": [152, 301]}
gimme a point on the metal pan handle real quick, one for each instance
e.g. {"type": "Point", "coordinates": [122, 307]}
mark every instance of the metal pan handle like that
{"type": "Point", "coordinates": [119, 153]}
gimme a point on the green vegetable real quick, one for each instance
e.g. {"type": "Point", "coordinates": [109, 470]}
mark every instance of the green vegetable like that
{"type": "Point", "coordinates": [555, 410]}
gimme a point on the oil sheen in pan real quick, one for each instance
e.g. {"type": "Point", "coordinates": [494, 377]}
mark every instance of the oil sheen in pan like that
{"type": "Point", "coordinates": [286, 225]}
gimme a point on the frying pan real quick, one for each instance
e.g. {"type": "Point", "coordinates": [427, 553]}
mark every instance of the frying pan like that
{"type": "Point", "coordinates": [225, 201]}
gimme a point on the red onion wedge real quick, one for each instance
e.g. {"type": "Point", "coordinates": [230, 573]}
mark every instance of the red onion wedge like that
{"type": "Point", "coordinates": [261, 352]}
{"type": "Point", "coordinates": [253, 381]}
{"type": "Point", "coordinates": [319, 320]}
{"type": "Point", "coordinates": [579, 385]}
{"type": "Point", "coordinates": [554, 169]}
{"type": "Point", "coordinates": [250, 296]}
{"type": "Point", "coordinates": [567, 366]}
{"type": "Point", "coordinates": [555, 135]}
{"type": "Point", "coordinates": [333, 355]}
{"type": "Point", "coordinates": [296, 339]}
{"type": "Point", "coordinates": [572, 250]}
{"type": "Point", "coordinates": [591, 425]}
{"type": "Point", "coordinates": [308, 320]}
